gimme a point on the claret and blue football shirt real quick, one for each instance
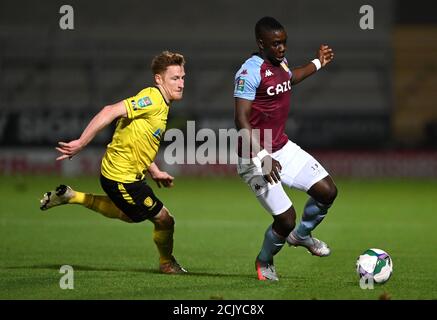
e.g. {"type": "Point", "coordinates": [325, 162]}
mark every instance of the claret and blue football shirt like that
{"type": "Point", "coordinates": [268, 86]}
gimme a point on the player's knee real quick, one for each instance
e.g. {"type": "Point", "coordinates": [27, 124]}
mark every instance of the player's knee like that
{"type": "Point", "coordinates": [328, 194]}
{"type": "Point", "coordinates": [170, 222]}
{"type": "Point", "coordinates": [164, 219]}
{"type": "Point", "coordinates": [331, 194]}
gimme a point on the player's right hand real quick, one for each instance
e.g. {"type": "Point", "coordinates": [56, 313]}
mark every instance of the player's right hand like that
{"type": "Point", "coordinates": [271, 169]}
{"type": "Point", "coordinates": [69, 149]}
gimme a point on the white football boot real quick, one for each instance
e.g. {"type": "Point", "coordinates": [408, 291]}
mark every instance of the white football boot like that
{"type": "Point", "coordinates": [60, 196]}
{"type": "Point", "coordinates": [313, 245]}
{"type": "Point", "coordinates": [265, 271]}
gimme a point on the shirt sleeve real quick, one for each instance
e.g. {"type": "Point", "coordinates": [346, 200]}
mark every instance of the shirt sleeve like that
{"type": "Point", "coordinates": [141, 105]}
{"type": "Point", "coordinates": [247, 81]}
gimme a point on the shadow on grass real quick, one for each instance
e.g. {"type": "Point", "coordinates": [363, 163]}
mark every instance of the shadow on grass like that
{"type": "Point", "coordinates": [138, 270]}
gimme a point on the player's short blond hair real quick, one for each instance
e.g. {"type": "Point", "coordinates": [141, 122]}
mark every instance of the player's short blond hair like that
{"type": "Point", "coordinates": [166, 59]}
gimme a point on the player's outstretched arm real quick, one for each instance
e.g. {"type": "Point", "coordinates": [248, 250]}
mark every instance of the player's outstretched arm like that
{"type": "Point", "coordinates": [325, 55]}
{"type": "Point", "coordinates": [160, 177]}
{"type": "Point", "coordinates": [100, 121]}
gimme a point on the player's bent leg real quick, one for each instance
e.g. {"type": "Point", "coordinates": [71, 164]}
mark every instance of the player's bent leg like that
{"type": "Point", "coordinates": [322, 193]}
{"type": "Point", "coordinates": [275, 200]}
{"type": "Point", "coordinates": [101, 204]}
{"type": "Point", "coordinates": [274, 240]}
{"type": "Point", "coordinates": [163, 238]}
{"type": "Point", "coordinates": [64, 194]}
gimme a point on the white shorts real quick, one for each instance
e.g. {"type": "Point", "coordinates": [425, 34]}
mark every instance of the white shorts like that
{"type": "Point", "coordinates": [299, 170]}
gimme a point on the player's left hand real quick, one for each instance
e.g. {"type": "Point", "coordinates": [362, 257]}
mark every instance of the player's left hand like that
{"type": "Point", "coordinates": [325, 55]}
{"type": "Point", "coordinates": [163, 178]}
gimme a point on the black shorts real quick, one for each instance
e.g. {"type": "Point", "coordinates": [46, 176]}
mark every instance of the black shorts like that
{"type": "Point", "coordinates": [136, 199]}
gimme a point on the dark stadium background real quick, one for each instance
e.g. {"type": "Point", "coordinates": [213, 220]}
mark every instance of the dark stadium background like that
{"type": "Point", "coordinates": [376, 102]}
{"type": "Point", "coordinates": [370, 117]}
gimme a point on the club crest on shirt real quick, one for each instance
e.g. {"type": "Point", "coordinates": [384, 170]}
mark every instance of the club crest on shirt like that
{"type": "Point", "coordinates": [134, 104]}
{"type": "Point", "coordinates": [144, 102]}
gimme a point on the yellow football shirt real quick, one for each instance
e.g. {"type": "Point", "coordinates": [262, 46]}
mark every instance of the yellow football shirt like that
{"type": "Point", "coordinates": [136, 139]}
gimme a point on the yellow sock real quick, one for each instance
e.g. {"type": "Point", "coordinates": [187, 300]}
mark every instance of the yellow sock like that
{"type": "Point", "coordinates": [164, 242]}
{"type": "Point", "coordinates": [99, 203]}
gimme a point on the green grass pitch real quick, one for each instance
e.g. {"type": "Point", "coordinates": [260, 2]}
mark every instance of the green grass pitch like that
{"type": "Point", "coordinates": [219, 231]}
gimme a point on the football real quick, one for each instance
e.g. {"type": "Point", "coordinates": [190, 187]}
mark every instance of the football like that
{"type": "Point", "coordinates": [375, 264]}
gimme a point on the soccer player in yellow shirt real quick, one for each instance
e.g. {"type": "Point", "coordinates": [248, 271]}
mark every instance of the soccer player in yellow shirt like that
{"type": "Point", "coordinates": [141, 121]}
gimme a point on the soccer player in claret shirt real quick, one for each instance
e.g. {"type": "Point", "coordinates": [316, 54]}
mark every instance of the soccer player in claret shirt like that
{"type": "Point", "coordinates": [141, 121]}
{"type": "Point", "coordinates": [263, 89]}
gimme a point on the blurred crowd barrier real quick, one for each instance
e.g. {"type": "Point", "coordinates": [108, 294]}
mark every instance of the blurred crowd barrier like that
{"type": "Point", "coordinates": [353, 164]}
